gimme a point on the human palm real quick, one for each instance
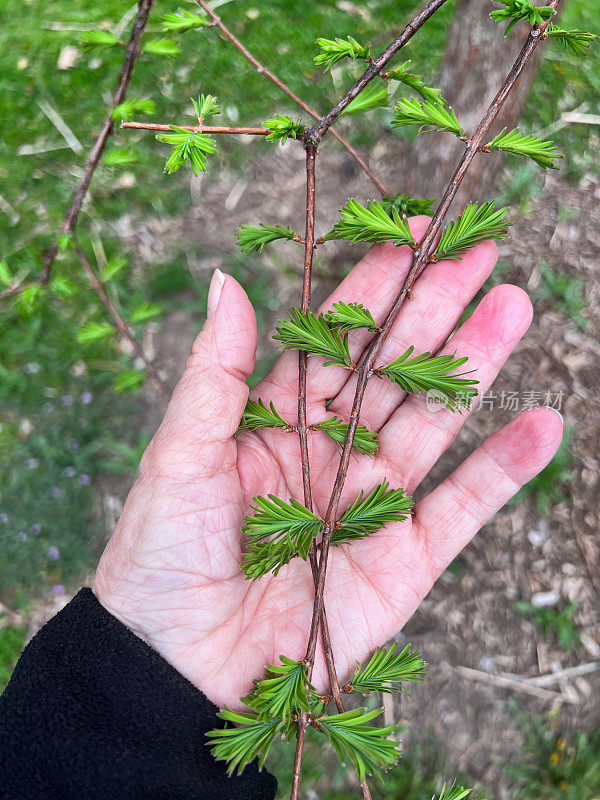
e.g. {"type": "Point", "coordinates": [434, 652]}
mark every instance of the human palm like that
{"type": "Point", "coordinates": [171, 571]}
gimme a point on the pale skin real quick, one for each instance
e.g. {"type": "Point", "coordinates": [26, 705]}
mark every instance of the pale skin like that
{"type": "Point", "coordinates": [171, 571]}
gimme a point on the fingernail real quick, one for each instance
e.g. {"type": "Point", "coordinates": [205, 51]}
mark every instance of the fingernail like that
{"type": "Point", "coordinates": [214, 292]}
{"type": "Point", "coordinates": [556, 412]}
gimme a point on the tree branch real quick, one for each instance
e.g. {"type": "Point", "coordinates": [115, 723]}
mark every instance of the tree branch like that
{"type": "Point", "coordinates": [120, 323]}
{"type": "Point", "coordinates": [154, 126]}
{"type": "Point", "coordinates": [421, 258]}
{"type": "Point", "coordinates": [317, 131]}
{"type": "Point", "coordinates": [262, 70]}
{"type": "Point", "coordinates": [72, 214]}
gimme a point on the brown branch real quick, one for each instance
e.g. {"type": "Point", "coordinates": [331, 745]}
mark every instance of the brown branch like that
{"type": "Point", "coordinates": [120, 323]}
{"type": "Point", "coordinates": [302, 429]}
{"type": "Point", "coordinates": [72, 214]}
{"type": "Point", "coordinates": [317, 131]}
{"type": "Point", "coordinates": [421, 258]}
{"type": "Point", "coordinates": [154, 126]}
{"type": "Point", "coordinates": [262, 70]}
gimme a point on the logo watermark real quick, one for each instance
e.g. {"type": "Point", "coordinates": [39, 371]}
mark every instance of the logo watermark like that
{"type": "Point", "coordinates": [503, 401]}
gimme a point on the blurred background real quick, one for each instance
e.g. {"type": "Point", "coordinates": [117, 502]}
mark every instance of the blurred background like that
{"type": "Point", "coordinates": [512, 629]}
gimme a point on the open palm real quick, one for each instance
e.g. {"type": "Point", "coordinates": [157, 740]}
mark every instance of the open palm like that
{"type": "Point", "coordinates": [171, 571]}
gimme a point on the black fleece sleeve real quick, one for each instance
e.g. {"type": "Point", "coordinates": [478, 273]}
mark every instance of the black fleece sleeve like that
{"type": "Point", "coordinates": [92, 712]}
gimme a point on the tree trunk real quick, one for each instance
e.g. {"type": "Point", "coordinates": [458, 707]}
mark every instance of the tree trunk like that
{"type": "Point", "coordinates": [476, 62]}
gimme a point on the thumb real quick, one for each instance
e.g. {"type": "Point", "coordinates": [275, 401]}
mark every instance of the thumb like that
{"type": "Point", "coordinates": [207, 404]}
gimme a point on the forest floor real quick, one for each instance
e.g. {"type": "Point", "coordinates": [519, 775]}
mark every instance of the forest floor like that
{"type": "Point", "coordinates": [544, 547]}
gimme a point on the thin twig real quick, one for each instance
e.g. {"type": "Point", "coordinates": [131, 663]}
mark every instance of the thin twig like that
{"type": "Point", "coordinates": [154, 126]}
{"type": "Point", "coordinates": [554, 677]}
{"type": "Point", "coordinates": [262, 70]}
{"type": "Point", "coordinates": [421, 258]}
{"type": "Point", "coordinates": [511, 683]}
{"type": "Point", "coordinates": [309, 241]}
{"type": "Point", "coordinates": [72, 214]}
{"type": "Point", "coordinates": [317, 131]}
{"type": "Point", "coordinates": [120, 323]}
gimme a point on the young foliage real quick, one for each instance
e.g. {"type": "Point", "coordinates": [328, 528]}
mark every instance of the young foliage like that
{"type": "Point", "coordinates": [119, 156]}
{"type": "Point", "coordinates": [365, 441]}
{"type": "Point", "coordinates": [145, 312]}
{"type": "Point", "coordinates": [94, 331]}
{"type": "Point", "coordinates": [314, 335]}
{"type": "Point", "coordinates": [283, 691]}
{"type": "Point", "coordinates": [29, 300]}
{"type": "Point", "coordinates": [416, 83]}
{"type": "Point", "coordinates": [187, 146]}
{"type": "Point", "coordinates": [257, 416]}
{"type": "Point", "coordinates": [129, 381]}
{"type": "Point", "coordinates": [406, 205]}
{"type": "Point", "coordinates": [334, 50]}
{"type": "Point", "coordinates": [515, 10]}
{"type": "Point", "coordinates": [351, 317]}
{"type": "Point", "coordinates": [252, 238]}
{"type": "Point", "coordinates": [292, 528]}
{"type": "Point", "coordinates": [577, 41]}
{"type": "Point", "coordinates": [542, 152]}
{"type": "Point", "coordinates": [281, 128]}
{"type": "Point", "coordinates": [112, 268]}
{"type": "Point", "coordinates": [424, 372]}
{"type": "Point", "coordinates": [368, 515]}
{"type": "Point", "coordinates": [98, 38]}
{"type": "Point", "coordinates": [454, 792]}
{"type": "Point", "coordinates": [182, 20]}
{"type": "Point", "coordinates": [476, 224]}
{"type": "Point", "coordinates": [126, 111]}
{"type": "Point", "coordinates": [387, 671]}
{"type": "Point", "coordinates": [372, 224]}
{"type": "Point", "coordinates": [162, 47]}
{"type": "Point", "coordinates": [206, 107]}
{"type": "Point", "coordinates": [251, 738]}
{"type": "Point", "coordinates": [369, 748]}
{"type": "Point", "coordinates": [5, 275]}
{"type": "Point", "coordinates": [373, 96]}
{"type": "Point", "coordinates": [426, 114]}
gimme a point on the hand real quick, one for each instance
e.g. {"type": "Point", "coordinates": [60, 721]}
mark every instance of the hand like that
{"type": "Point", "coordinates": [171, 571]}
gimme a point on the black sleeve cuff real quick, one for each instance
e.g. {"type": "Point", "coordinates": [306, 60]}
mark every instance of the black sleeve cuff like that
{"type": "Point", "coordinates": [92, 712]}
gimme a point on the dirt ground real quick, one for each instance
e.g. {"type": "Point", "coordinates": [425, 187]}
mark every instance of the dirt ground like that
{"type": "Point", "coordinates": [468, 620]}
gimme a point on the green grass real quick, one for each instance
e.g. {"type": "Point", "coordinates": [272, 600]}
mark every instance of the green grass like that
{"type": "Point", "coordinates": [556, 765]}
{"type": "Point", "coordinates": [11, 643]}
{"type": "Point", "coordinates": [554, 622]}
{"type": "Point", "coordinates": [564, 292]}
